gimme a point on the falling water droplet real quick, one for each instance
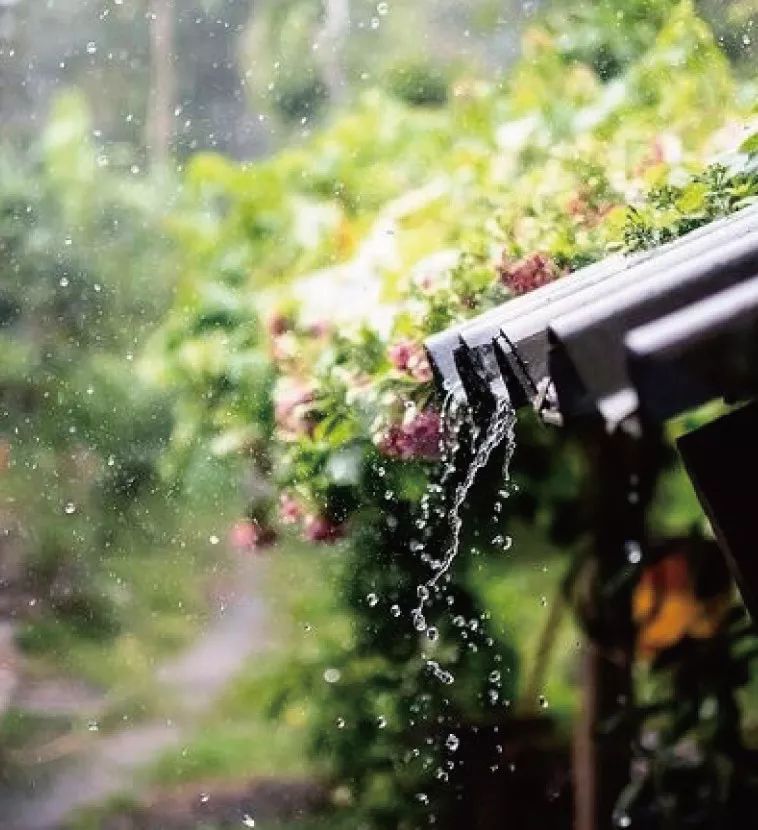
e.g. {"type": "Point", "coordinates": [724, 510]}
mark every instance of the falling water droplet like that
{"type": "Point", "coordinates": [543, 702]}
{"type": "Point", "coordinates": [452, 742]}
{"type": "Point", "coordinates": [340, 723]}
{"type": "Point", "coordinates": [381, 722]}
{"type": "Point", "coordinates": [248, 820]}
{"type": "Point", "coordinates": [372, 600]}
{"type": "Point", "coordinates": [69, 508]}
{"type": "Point", "coordinates": [633, 552]}
{"type": "Point", "coordinates": [395, 611]}
{"type": "Point", "coordinates": [332, 675]}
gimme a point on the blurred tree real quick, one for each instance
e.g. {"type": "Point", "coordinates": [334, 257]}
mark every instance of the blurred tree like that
{"type": "Point", "coordinates": [80, 248]}
{"type": "Point", "coordinates": [163, 82]}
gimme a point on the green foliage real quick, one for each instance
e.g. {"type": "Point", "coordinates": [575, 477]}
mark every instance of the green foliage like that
{"type": "Point", "coordinates": [418, 85]}
{"type": "Point", "coordinates": [673, 210]}
{"type": "Point", "coordinates": [85, 275]}
{"type": "Point", "coordinates": [608, 35]}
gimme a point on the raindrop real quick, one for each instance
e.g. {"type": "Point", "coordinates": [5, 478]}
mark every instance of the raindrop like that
{"type": "Point", "coordinates": [340, 722]}
{"type": "Point", "coordinates": [381, 721]}
{"type": "Point", "coordinates": [452, 742]}
{"type": "Point", "coordinates": [63, 282]}
{"type": "Point", "coordinates": [248, 820]}
{"type": "Point", "coordinates": [332, 675]}
{"type": "Point", "coordinates": [204, 798]}
{"type": "Point", "coordinates": [633, 552]}
{"type": "Point", "coordinates": [382, 8]}
{"type": "Point", "coordinates": [372, 600]}
{"type": "Point", "coordinates": [495, 676]}
{"type": "Point", "coordinates": [374, 22]}
{"type": "Point", "coordinates": [69, 508]}
{"type": "Point", "coordinates": [395, 611]}
{"type": "Point", "coordinates": [543, 702]}
{"type": "Point", "coordinates": [93, 726]}
{"type": "Point", "coordinates": [213, 539]}
{"type": "Point", "coordinates": [432, 633]}
{"type": "Point", "coordinates": [91, 47]}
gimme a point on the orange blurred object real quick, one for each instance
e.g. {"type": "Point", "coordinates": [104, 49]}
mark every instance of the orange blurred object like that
{"type": "Point", "coordinates": [666, 608]}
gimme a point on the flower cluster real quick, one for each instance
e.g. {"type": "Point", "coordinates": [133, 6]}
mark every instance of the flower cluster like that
{"type": "Point", "coordinates": [526, 274]}
{"type": "Point", "coordinates": [418, 436]}
{"type": "Point", "coordinates": [410, 358]}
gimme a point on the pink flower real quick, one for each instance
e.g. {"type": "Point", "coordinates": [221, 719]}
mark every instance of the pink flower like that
{"type": "Point", "coordinates": [417, 438]}
{"type": "Point", "coordinates": [284, 348]}
{"type": "Point", "coordinates": [292, 408]}
{"type": "Point", "coordinates": [427, 283]}
{"type": "Point", "coordinates": [290, 512]}
{"type": "Point", "coordinates": [319, 329]}
{"type": "Point", "coordinates": [399, 354]}
{"type": "Point", "coordinates": [410, 357]}
{"type": "Point", "coordinates": [322, 529]}
{"type": "Point", "coordinates": [249, 536]}
{"type": "Point", "coordinates": [278, 324]}
{"type": "Point", "coordinates": [528, 273]}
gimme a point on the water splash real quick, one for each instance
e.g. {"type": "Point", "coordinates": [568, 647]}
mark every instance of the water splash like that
{"type": "Point", "coordinates": [500, 428]}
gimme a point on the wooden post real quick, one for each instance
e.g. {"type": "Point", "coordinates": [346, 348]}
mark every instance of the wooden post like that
{"type": "Point", "coordinates": [332, 41]}
{"type": "Point", "coordinates": [623, 472]}
{"type": "Point", "coordinates": [162, 82]}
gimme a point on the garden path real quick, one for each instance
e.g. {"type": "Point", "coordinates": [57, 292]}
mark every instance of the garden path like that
{"type": "Point", "coordinates": [82, 770]}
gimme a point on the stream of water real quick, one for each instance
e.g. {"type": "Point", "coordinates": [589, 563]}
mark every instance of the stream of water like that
{"type": "Point", "coordinates": [499, 429]}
